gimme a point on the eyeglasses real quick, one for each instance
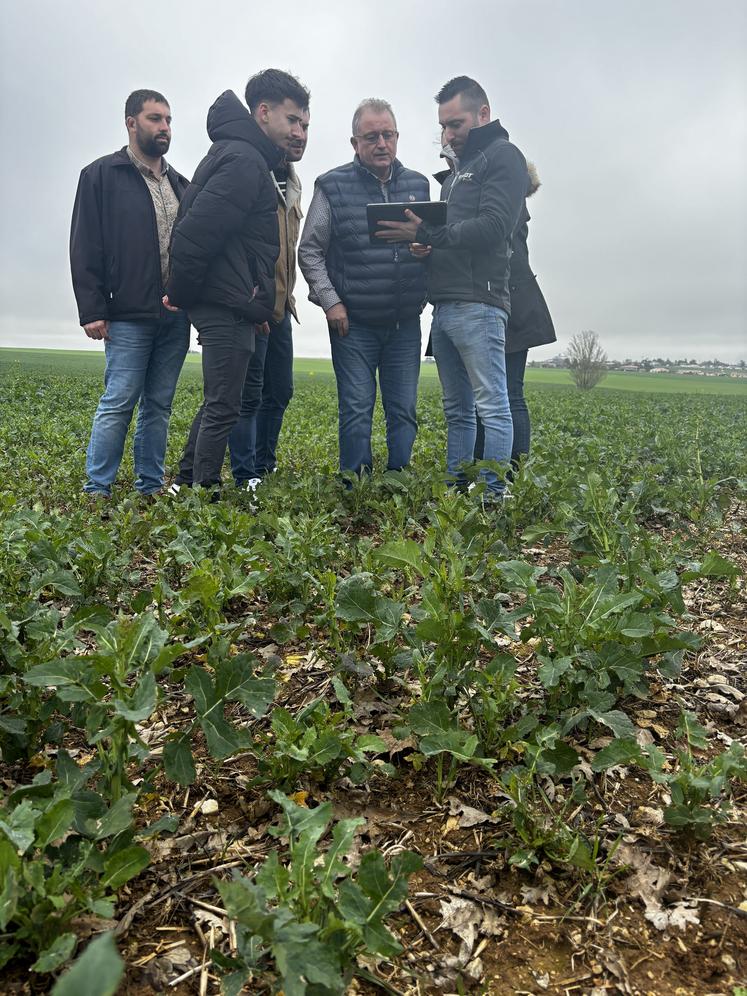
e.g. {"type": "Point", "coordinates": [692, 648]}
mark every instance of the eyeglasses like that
{"type": "Point", "coordinates": [372, 137]}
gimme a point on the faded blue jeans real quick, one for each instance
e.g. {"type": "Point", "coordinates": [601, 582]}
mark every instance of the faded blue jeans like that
{"type": "Point", "coordinates": [143, 362]}
{"type": "Point", "coordinates": [268, 389]}
{"type": "Point", "coordinates": [468, 344]}
{"type": "Point", "coordinates": [356, 357]}
{"type": "Point", "coordinates": [515, 367]}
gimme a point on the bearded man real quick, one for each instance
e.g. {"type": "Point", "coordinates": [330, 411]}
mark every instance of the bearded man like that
{"type": "Point", "coordinates": [124, 211]}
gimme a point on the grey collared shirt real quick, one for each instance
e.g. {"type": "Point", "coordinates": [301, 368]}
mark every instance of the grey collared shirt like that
{"type": "Point", "coordinates": [165, 204]}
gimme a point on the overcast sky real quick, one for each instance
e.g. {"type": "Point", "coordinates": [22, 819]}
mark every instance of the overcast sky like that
{"type": "Point", "coordinates": [633, 112]}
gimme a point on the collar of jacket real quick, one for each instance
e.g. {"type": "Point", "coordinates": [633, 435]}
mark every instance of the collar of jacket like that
{"type": "Point", "coordinates": [442, 175]}
{"type": "Point", "coordinates": [480, 138]}
{"type": "Point", "coordinates": [120, 158]}
{"type": "Point", "coordinates": [229, 120]}
{"type": "Point", "coordinates": [397, 168]}
{"type": "Point", "coordinates": [293, 188]}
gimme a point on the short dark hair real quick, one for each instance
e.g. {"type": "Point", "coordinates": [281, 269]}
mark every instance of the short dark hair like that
{"type": "Point", "coordinates": [134, 103]}
{"type": "Point", "coordinates": [273, 86]}
{"type": "Point", "coordinates": [471, 92]}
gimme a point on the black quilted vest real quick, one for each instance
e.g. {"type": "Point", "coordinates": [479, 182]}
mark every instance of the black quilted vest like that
{"type": "Point", "coordinates": [379, 285]}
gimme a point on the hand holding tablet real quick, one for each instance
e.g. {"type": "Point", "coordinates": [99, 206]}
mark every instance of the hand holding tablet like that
{"type": "Point", "coordinates": [399, 222]}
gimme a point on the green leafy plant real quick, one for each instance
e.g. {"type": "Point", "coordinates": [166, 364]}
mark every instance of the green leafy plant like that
{"type": "Point", "coordinates": [308, 916]}
{"type": "Point", "coordinates": [440, 736]}
{"type": "Point", "coordinates": [63, 852]}
{"type": "Point", "coordinates": [699, 788]}
{"type": "Point", "coordinates": [115, 685]}
{"type": "Point", "coordinates": [319, 744]}
{"type": "Point", "coordinates": [238, 678]}
{"type": "Point", "coordinates": [97, 972]}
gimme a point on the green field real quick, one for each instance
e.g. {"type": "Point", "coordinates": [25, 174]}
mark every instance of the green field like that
{"type": "Point", "coordinates": [68, 361]}
{"type": "Point", "coordinates": [236, 736]}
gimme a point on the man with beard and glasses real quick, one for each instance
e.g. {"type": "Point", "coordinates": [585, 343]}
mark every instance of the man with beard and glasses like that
{"type": "Point", "coordinates": [224, 250]}
{"type": "Point", "coordinates": [124, 210]}
{"type": "Point", "coordinates": [268, 387]}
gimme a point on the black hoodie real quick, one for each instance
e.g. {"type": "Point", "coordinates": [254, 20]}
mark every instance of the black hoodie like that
{"type": "Point", "coordinates": [485, 195]}
{"type": "Point", "coordinates": [225, 241]}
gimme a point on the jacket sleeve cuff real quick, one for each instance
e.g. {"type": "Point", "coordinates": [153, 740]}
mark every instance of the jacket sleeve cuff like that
{"type": "Point", "coordinates": [94, 316]}
{"type": "Point", "coordinates": [422, 234]}
{"type": "Point", "coordinates": [328, 299]}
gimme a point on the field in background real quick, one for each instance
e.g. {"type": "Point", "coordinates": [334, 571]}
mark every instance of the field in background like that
{"type": "Point", "coordinates": [69, 361]}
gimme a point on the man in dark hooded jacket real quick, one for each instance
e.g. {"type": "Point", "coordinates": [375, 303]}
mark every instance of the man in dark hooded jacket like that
{"type": "Point", "coordinates": [224, 249]}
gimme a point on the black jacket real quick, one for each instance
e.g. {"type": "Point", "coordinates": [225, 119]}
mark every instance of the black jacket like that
{"type": "Point", "coordinates": [470, 257]}
{"type": "Point", "coordinates": [225, 241]}
{"type": "Point", "coordinates": [378, 284]}
{"type": "Point", "coordinates": [530, 323]}
{"type": "Point", "coordinates": [114, 254]}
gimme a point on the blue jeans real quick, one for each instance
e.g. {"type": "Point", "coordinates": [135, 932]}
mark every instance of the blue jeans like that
{"type": "Point", "coordinates": [143, 362]}
{"type": "Point", "coordinates": [356, 357]}
{"type": "Point", "coordinates": [515, 366]}
{"type": "Point", "coordinates": [468, 344]}
{"type": "Point", "coordinates": [267, 392]}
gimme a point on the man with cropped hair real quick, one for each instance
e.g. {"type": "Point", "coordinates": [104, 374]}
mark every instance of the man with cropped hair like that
{"type": "Point", "coordinates": [224, 250]}
{"type": "Point", "coordinates": [268, 387]}
{"type": "Point", "coordinates": [124, 211]}
{"type": "Point", "coordinates": [372, 295]}
{"type": "Point", "coordinates": [468, 271]}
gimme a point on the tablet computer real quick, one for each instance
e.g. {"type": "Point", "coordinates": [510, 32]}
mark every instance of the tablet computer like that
{"type": "Point", "coordinates": [432, 212]}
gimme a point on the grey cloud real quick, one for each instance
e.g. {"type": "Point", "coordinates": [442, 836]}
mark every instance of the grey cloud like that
{"type": "Point", "coordinates": [633, 112]}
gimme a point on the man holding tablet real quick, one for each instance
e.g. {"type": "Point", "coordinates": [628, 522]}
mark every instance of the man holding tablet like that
{"type": "Point", "coordinates": [371, 293]}
{"type": "Point", "coordinates": [468, 270]}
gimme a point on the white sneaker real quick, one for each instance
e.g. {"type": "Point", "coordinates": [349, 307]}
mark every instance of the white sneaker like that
{"type": "Point", "coordinates": [252, 484]}
{"type": "Point", "coordinates": [173, 489]}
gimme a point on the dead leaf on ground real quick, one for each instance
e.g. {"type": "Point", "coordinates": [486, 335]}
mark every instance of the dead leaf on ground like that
{"type": "Point", "coordinates": [468, 816]}
{"type": "Point", "coordinates": [678, 916]}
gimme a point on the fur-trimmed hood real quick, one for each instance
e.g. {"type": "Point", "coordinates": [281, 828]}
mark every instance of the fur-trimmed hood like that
{"type": "Point", "coordinates": [534, 181]}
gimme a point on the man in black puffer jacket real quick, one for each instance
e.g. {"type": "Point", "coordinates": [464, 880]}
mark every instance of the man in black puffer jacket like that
{"type": "Point", "coordinates": [372, 295]}
{"type": "Point", "coordinates": [223, 252]}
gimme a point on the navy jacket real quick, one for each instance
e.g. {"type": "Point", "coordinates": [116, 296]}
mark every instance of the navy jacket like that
{"type": "Point", "coordinates": [471, 252]}
{"type": "Point", "coordinates": [378, 284]}
{"type": "Point", "coordinates": [114, 254]}
{"type": "Point", "coordinates": [225, 241]}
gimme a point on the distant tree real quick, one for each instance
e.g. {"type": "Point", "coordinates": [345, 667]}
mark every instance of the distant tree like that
{"type": "Point", "coordinates": [742, 364]}
{"type": "Point", "coordinates": [587, 360]}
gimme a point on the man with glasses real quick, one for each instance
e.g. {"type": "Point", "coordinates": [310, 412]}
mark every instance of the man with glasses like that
{"type": "Point", "coordinates": [372, 295]}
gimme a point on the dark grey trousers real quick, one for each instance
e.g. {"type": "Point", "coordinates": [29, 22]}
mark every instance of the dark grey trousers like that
{"type": "Point", "coordinates": [227, 341]}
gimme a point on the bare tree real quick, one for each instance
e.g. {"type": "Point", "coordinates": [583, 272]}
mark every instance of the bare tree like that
{"type": "Point", "coordinates": [587, 360]}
